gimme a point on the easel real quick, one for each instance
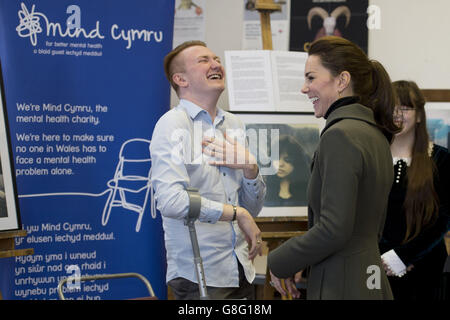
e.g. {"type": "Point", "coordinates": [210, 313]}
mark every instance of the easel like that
{"type": "Point", "coordinates": [7, 246]}
{"type": "Point", "coordinates": [278, 229]}
{"type": "Point", "coordinates": [275, 231]}
{"type": "Point", "coordinates": [265, 8]}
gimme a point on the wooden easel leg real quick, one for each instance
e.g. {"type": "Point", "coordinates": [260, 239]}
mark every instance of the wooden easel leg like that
{"type": "Point", "coordinates": [266, 32]}
{"type": "Point", "coordinates": [288, 297]}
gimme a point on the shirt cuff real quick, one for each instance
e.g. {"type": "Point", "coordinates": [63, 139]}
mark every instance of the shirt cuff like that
{"type": "Point", "coordinates": [253, 184]}
{"type": "Point", "coordinates": [394, 263]}
{"type": "Point", "coordinates": [210, 211]}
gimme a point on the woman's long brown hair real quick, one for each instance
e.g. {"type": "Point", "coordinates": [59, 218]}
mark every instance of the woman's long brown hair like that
{"type": "Point", "coordinates": [421, 202]}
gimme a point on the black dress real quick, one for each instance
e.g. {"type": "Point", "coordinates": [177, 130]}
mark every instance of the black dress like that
{"type": "Point", "coordinates": [427, 252]}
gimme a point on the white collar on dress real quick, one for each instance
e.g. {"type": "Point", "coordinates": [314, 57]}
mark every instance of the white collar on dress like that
{"type": "Point", "coordinates": [408, 160]}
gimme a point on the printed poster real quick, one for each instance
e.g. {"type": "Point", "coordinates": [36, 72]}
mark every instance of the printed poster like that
{"type": "Point", "coordinates": [84, 86]}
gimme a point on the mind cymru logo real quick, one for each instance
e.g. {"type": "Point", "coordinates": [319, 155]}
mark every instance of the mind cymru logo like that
{"type": "Point", "coordinates": [29, 23]}
{"type": "Point", "coordinates": [33, 23]}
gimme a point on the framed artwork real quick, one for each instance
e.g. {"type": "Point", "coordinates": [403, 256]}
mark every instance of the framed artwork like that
{"type": "Point", "coordinates": [9, 210]}
{"type": "Point", "coordinates": [438, 122]}
{"type": "Point", "coordinates": [312, 19]}
{"type": "Point", "coordinates": [283, 144]}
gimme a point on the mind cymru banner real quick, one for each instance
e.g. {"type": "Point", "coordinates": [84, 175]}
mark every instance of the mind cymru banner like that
{"type": "Point", "coordinates": [83, 86]}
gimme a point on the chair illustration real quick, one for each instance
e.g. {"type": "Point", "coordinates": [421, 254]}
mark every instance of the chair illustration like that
{"type": "Point", "coordinates": [139, 276]}
{"type": "Point", "coordinates": [131, 186]}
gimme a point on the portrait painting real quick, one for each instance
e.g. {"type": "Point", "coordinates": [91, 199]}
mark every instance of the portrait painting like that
{"type": "Point", "coordinates": [284, 145]}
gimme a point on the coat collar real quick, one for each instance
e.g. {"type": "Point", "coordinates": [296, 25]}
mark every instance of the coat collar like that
{"type": "Point", "coordinates": [354, 111]}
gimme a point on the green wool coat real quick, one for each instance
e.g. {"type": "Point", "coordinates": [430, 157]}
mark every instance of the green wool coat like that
{"type": "Point", "coordinates": [352, 174]}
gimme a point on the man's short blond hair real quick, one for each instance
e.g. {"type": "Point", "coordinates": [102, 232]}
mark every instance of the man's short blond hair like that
{"type": "Point", "coordinates": [170, 64]}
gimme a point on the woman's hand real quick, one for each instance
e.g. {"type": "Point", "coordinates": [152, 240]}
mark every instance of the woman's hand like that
{"type": "Point", "coordinates": [289, 283]}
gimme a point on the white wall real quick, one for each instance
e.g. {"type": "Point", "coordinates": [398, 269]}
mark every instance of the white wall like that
{"type": "Point", "coordinates": [224, 21]}
{"type": "Point", "coordinates": [413, 41]}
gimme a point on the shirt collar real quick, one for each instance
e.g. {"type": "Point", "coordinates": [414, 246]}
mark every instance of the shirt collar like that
{"type": "Point", "coordinates": [194, 110]}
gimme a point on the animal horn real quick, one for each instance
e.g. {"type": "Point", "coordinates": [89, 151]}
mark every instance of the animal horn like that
{"type": "Point", "coordinates": [316, 11]}
{"type": "Point", "coordinates": [342, 10]}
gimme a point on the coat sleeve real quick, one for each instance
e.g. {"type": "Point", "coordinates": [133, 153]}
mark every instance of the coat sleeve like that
{"type": "Point", "coordinates": [339, 164]}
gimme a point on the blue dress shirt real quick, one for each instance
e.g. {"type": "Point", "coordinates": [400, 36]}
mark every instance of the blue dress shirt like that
{"type": "Point", "coordinates": [178, 163]}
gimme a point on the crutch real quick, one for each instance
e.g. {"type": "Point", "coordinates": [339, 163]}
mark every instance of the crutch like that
{"type": "Point", "coordinates": [193, 214]}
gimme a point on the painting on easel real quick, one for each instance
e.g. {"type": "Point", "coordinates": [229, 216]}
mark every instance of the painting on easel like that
{"type": "Point", "coordinates": [9, 209]}
{"type": "Point", "coordinates": [283, 145]}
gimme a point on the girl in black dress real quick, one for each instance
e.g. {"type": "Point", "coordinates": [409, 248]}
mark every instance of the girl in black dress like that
{"type": "Point", "coordinates": [412, 247]}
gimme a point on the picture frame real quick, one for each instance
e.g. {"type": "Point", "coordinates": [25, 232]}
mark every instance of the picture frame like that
{"type": "Point", "coordinates": [298, 137]}
{"type": "Point", "coordinates": [9, 203]}
{"type": "Point", "coordinates": [312, 19]}
{"type": "Point", "coordinates": [438, 122]}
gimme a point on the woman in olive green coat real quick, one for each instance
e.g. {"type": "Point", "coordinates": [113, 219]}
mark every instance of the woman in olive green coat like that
{"type": "Point", "coordinates": [351, 178]}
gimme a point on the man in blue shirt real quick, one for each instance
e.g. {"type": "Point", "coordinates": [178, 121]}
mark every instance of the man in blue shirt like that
{"type": "Point", "coordinates": [198, 145]}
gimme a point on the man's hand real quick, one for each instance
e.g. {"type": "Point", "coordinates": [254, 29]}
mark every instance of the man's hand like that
{"type": "Point", "coordinates": [248, 226]}
{"type": "Point", "coordinates": [251, 231]}
{"type": "Point", "coordinates": [230, 153]}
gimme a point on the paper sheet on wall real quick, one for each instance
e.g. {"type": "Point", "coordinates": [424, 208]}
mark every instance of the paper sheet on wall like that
{"type": "Point", "coordinates": [189, 22]}
{"type": "Point", "coordinates": [279, 24]}
{"type": "Point", "coordinates": [263, 80]}
{"type": "Point", "coordinates": [249, 80]}
{"type": "Point", "coordinates": [288, 70]}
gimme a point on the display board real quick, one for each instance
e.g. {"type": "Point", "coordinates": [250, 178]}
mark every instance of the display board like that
{"type": "Point", "coordinates": [83, 88]}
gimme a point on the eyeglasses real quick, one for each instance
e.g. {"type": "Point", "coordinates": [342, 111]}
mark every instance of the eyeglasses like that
{"type": "Point", "coordinates": [404, 108]}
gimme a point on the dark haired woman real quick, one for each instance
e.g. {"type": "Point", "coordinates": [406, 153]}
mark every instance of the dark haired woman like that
{"type": "Point", "coordinates": [350, 180]}
{"type": "Point", "coordinates": [413, 246]}
{"type": "Point", "coordinates": [288, 186]}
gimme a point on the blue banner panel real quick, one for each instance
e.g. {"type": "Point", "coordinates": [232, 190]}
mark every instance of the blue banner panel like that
{"type": "Point", "coordinates": [84, 86]}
